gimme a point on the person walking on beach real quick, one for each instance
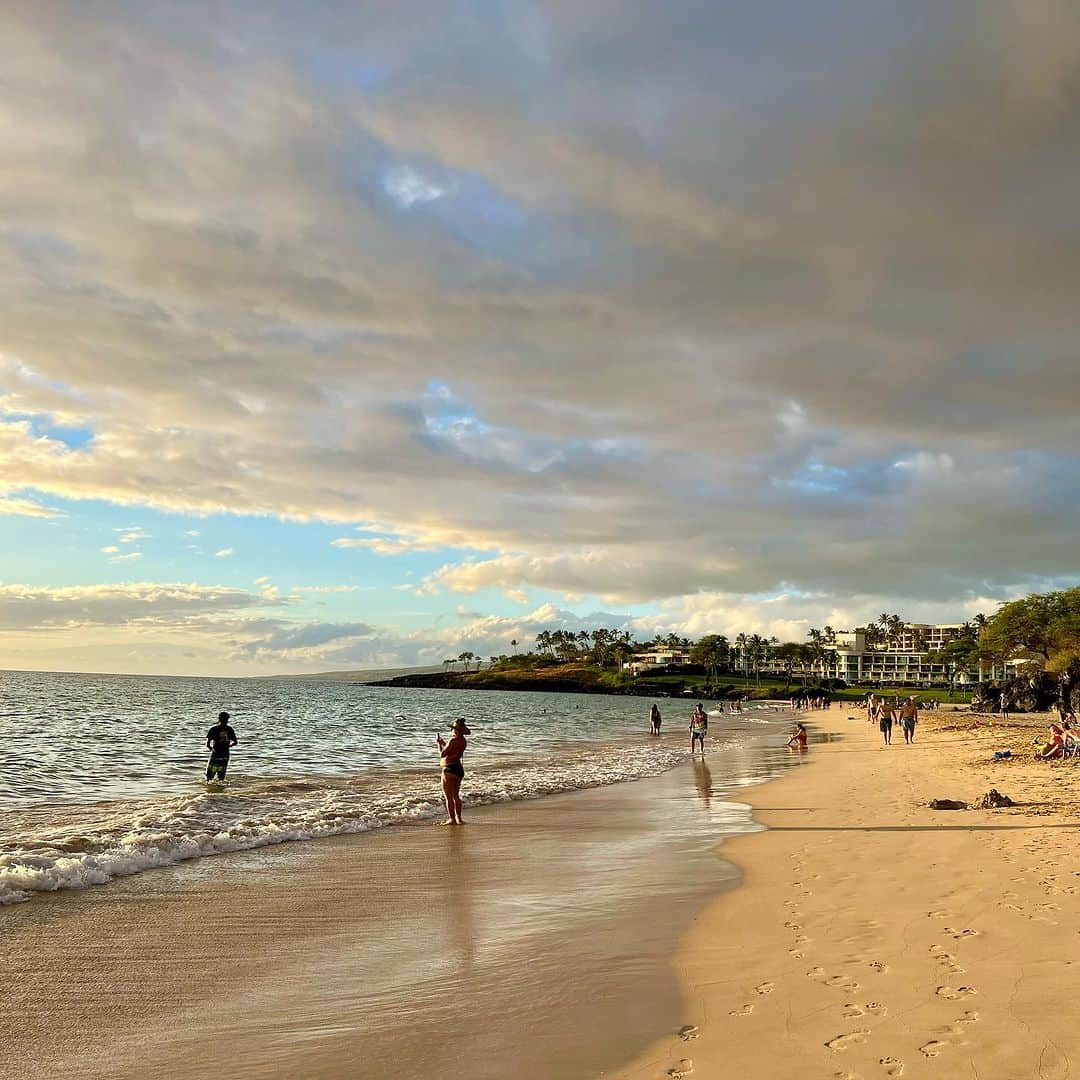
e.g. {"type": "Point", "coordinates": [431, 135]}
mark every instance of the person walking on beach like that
{"type": "Point", "coordinates": [909, 717]}
{"type": "Point", "coordinates": [220, 739]}
{"type": "Point", "coordinates": [654, 720]}
{"type": "Point", "coordinates": [885, 720]}
{"type": "Point", "coordinates": [699, 727]}
{"type": "Point", "coordinates": [871, 707]}
{"type": "Point", "coordinates": [453, 772]}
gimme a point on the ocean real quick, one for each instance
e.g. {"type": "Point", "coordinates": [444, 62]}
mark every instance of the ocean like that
{"type": "Point", "coordinates": [101, 776]}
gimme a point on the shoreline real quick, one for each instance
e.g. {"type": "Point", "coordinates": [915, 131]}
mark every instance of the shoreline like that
{"type": "Point", "coordinates": [874, 937]}
{"type": "Point", "coordinates": [552, 920]}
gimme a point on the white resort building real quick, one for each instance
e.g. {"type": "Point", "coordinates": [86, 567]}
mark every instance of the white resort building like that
{"type": "Point", "coordinates": [907, 660]}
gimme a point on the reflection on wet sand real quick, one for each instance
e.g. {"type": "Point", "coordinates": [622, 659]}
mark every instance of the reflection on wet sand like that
{"type": "Point", "coordinates": [703, 780]}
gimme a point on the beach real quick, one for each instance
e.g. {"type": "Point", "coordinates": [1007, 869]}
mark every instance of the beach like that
{"type": "Point", "coordinates": [873, 936]}
{"type": "Point", "coordinates": [598, 933]}
{"type": "Point", "coordinates": [535, 940]}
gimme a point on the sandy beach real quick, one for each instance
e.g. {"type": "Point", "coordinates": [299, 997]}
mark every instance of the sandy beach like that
{"type": "Point", "coordinates": [875, 937]}
{"type": "Point", "coordinates": [535, 941]}
{"type": "Point", "coordinates": [600, 934]}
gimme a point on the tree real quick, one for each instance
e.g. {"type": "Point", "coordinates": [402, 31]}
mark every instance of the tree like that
{"type": "Point", "coordinates": [712, 653]}
{"type": "Point", "coordinates": [1043, 627]}
{"type": "Point", "coordinates": [793, 654]}
{"type": "Point", "coordinates": [742, 643]}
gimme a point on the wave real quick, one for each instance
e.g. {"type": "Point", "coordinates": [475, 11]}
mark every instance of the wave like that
{"type": "Point", "coordinates": [120, 839]}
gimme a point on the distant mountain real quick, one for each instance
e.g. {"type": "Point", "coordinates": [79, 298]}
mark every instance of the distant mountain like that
{"type": "Point", "coordinates": [364, 675]}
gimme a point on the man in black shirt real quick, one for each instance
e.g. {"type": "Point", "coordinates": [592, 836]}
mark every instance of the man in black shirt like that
{"type": "Point", "coordinates": [219, 739]}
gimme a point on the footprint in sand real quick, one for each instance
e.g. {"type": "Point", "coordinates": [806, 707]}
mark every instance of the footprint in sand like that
{"type": "Point", "coordinates": [892, 1066]}
{"type": "Point", "coordinates": [842, 982]}
{"type": "Point", "coordinates": [876, 1008]}
{"type": "Point", "coordinates": [851, 1011]}
{"type": "Point", "coordinates": [688, 1032]}
{"type": "Point", "coordinates": [958, 934]}
{"type": "Point", "coordinates": [842, 1042]}
{"type": "Point", "coordinates": [764, 988]}
{"type": "Point", "coordinates": [797, 954]}
{"type": "Point", "coordinates": [938, 915]}
{"type": "Point", "coordinates": [951, 993]}
{"type": "Point", "coordinates": [802, 939]}
{"type": "Point", "coordinates": [969, 1017]}
{"type": "Point", "coordinates": [879, 966]}
{"type": "Point", "coordinates": [932, 1048]}
{"type": "Point", "coordinates": [815, 973]}
{"type": "Point", "coordinates": [684, 1068]}
{"type": "Point", "coordinates": [793, 925]}
{"type": "Point", "coordinates": [746, 1010]}
{"type": "Point", "coordinates": [845, 1074]}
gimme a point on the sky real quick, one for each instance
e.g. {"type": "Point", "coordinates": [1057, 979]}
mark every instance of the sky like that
{"type": "Point", "coordinates": [341, 335]}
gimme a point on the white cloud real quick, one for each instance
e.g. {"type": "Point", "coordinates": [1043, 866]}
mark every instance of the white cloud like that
{"type": "Point", "coordinates": [131, 556]}
{"type": "Point", "coordinates": [408, 188]}
{"type": "Point", "coordinates": [110, 549]}
{"type": "Point", "coordinates": [224, 553]}
{"type": "Point", "coordinates": [132, 535]}
{"type": "Point", "coordinates": [25, 508]}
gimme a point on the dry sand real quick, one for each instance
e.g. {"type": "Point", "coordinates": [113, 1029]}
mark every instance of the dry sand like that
{"type": "Point", "coordinates": [874, 937]}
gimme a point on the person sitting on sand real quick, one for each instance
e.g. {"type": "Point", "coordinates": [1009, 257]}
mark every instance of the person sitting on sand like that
{"type": "Point", "coordinates": [798, 739]}
{"type": "Point", "coordinates": [654, 720]}
{"type": "Point", "coordinates": [909, 716]}
{"type": "Point", "coordinates": [220, 739]}
{"type": "Point", "coordinates": [1055, 748]}
{"type": "Point", "coordinates": [453, 772]}
{"type": "Point", "coordinates": [699, 727]}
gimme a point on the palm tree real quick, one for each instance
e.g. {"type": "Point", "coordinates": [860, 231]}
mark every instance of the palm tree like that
{"type": "Point", "coordinates": [741, 644]}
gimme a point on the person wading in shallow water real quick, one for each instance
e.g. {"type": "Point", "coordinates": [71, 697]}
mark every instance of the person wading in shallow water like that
{"type": "Point", "coordinates": [699, 727]}
{"type": "Point", "coordinates": [654, 720]}
{"type": "Point", "coordinates": [453, 772]}
{"type": "Point", "coordinates": [219, 741]}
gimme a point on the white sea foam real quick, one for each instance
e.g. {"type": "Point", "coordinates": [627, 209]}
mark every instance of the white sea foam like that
{"type": "Point", "coordinates": [128, 838]}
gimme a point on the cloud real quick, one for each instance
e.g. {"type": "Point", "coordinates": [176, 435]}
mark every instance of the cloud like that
{"type": "Point", "coordinates": [131, 556]}
{"type": "Point", "coordinates": [224, 553]}
{"type": "Point", "coordinates": [639, 302]}
{"type": "Point", "coordinates": [25, 508]}
{"type": "Point", "coordinates": [132, 535]}
{"type": "Point", "coordinates": [35, 608]}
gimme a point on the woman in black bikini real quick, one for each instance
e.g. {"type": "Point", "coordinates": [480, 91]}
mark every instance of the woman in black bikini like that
{"type": "Point", "coordinates": [453, 772]}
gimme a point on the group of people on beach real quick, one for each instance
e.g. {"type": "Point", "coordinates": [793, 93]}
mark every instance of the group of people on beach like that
{"type": "Point", "coordinates": [885, 713]}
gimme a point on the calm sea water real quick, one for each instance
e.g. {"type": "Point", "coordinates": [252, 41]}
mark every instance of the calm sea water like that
{"type": "Point", "coordinates": [102, 776]}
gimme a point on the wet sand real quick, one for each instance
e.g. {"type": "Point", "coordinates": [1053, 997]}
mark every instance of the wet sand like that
{"type": "Point", "coordinates": [534, 942]}
{"type": "Point", "coordinates": [874, 937]}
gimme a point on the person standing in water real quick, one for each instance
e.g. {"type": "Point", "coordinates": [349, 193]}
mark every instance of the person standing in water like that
{"type": "Point", "coordinates": [699, 727]}
{"type": "Point", "coordinates": [220, 739]}
{"type": "Point", "coordinates": [909, 716]}
{"type": "Point", "coordinates": [453, 772]}
{"type": "Point", "coordinates": [654, 720]}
